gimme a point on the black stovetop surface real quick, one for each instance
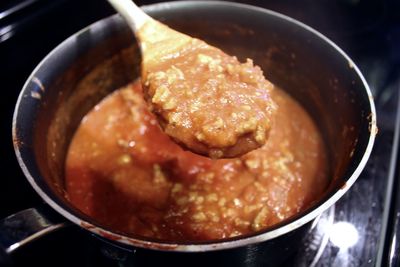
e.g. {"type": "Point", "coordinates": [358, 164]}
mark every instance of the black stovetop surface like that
{"type": "Point", "coordinates": [360, 228]}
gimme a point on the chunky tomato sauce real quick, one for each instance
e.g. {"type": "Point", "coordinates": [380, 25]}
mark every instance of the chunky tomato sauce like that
{"type": "Point", "coordinates": [123, 171]}
{"type": "Point", "coordinates": [206, 100]}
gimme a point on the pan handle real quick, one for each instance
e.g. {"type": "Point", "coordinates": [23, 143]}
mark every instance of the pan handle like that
{"type": "Point", "coordinates": [25, 226]}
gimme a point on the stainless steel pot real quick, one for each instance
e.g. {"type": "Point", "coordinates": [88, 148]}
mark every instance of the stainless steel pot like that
{"type": "Point", "coordinates": [102, 57]}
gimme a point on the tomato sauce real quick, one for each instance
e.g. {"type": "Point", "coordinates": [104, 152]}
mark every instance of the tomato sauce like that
{"type": "Point", "coordinates": [208, 101]}
{"type": "Point", "coordinates": [128, 175]}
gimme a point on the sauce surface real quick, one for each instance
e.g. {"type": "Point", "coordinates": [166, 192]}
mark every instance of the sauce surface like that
{"type": "Point", "coordinates": [123, 171]}
{"type": "Point", "coordinates": [208, 101]}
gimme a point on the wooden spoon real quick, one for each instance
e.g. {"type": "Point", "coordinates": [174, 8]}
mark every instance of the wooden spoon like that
{"type": "Point", "coordinates": [204, 99]}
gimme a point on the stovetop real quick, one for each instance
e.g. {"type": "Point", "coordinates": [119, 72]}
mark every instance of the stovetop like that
{"type": "Point", "coordinates": [360, 230]}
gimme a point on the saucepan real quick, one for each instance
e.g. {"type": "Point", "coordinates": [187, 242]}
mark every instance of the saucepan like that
{"type": "Point", "coordinates": [104, 56]}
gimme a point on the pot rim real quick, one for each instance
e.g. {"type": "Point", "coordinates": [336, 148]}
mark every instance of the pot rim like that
{"type": "Point", "coordinates": [224, 243]}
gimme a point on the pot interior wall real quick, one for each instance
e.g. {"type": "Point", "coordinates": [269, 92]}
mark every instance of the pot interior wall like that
{"type": "Point", "coordinates": [105, 57]}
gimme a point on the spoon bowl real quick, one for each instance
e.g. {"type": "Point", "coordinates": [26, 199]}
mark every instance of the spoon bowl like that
{"type": "Point", "coordinates": [204, 99]}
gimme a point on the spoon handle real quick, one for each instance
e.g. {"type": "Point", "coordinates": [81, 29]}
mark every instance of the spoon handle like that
{"type": "Point", "coordinates": [131, 13]}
